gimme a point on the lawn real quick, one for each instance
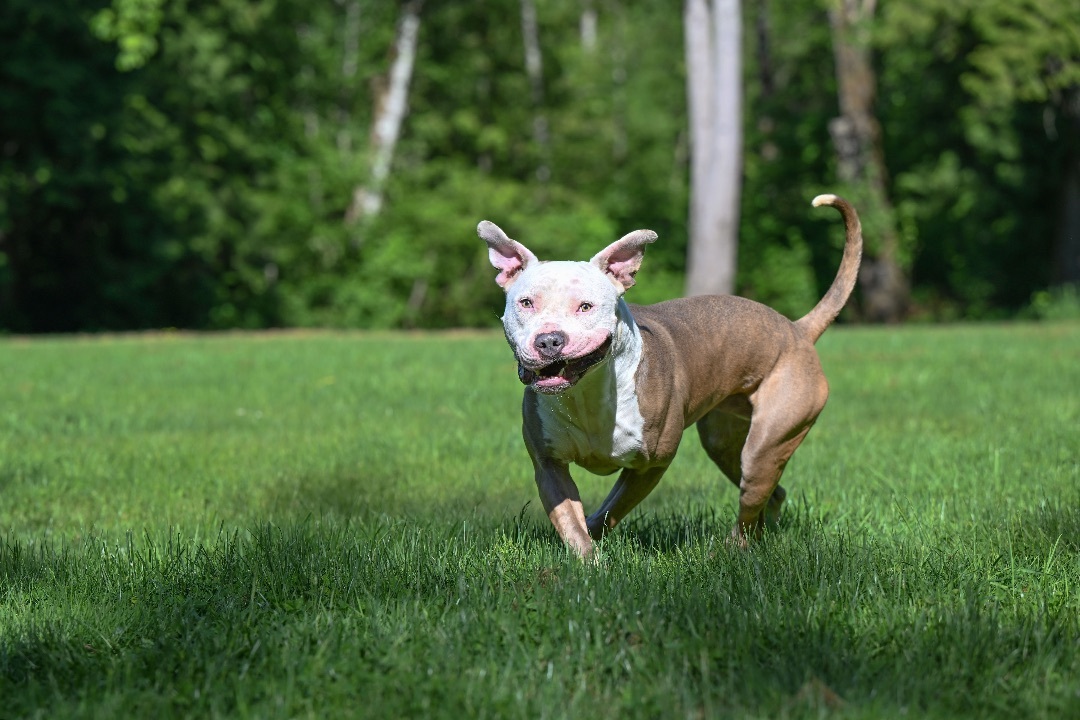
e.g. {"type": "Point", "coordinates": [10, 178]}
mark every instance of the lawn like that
{"type": "Point", "coordinates": [336, 525]}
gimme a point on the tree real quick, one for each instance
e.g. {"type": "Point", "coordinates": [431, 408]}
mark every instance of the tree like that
{"type": "Point", "coordinates": [391, 105]}
{"type": "Point", "coordinates": [713, 33]}
{"type": "Point", "coordinates": [534, 68]}
{"type": "Point", "coordinates": [861, 164]}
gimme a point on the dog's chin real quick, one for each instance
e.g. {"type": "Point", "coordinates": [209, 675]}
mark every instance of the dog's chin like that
{"type": "Point", "coordinates": [553, 386]}
{"type": "Point", "coordinates": [562, 375]}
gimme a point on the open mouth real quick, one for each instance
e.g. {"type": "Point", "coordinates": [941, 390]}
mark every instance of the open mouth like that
{"type": "Point", "coordinates": [560, 375]}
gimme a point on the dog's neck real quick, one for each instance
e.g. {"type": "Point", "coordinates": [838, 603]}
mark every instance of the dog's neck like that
{"type": "Point", "coordinates": [625, 348]}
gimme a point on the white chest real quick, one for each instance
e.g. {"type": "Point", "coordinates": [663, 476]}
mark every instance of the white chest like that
{"type": "Point", "coordinates": [598, 423]}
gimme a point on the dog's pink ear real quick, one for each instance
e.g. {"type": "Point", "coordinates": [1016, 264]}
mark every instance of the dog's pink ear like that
{"type": "Point", "coordinates": [622, 258]}
{"type": "Point", "coordinates": [508, 256]}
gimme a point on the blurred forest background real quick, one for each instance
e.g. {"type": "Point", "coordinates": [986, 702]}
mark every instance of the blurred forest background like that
{"type": "Point", "coordinates": [231, 163]}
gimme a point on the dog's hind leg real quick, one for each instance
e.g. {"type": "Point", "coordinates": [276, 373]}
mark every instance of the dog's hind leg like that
{"type": "Point", "coordinates": [785, 408]}
{"type": "Point", "coordinates": [723, 435]}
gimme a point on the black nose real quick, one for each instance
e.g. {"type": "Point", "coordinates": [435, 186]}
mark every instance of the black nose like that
{"type": "Point", "coordinates": [550, 344]}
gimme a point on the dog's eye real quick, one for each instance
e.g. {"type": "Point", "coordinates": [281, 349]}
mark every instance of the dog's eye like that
{"type": "Point", "coordinates": [585, 307]}
{"type": "Point", "coordinates": [525, 303]}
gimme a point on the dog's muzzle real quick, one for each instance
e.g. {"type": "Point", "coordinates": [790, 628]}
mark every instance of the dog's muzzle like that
{"type": "Point", "coordinates": [562, 374]}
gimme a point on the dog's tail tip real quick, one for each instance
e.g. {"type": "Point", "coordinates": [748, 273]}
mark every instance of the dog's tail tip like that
{"type": "Point", "coordinates": [826, 199]}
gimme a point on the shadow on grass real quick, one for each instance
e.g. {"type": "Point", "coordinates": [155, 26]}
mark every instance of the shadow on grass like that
{"type": "Point", "coordinates": [345, 494]}
{"type": "Point", "coordinates": [316, 615]}
{"type": "Point", "coordinates": [1054, 523]}
{"type": "Point", "coordinates": [685, 518]}
{"type": "Point", "coordinates": [692, 517]}
{"type": "Point", "coordinates": [22, 563]}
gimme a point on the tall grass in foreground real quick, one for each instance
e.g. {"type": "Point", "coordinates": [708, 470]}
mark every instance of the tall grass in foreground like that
{"type": "Point", "coordinates": [343, 525]}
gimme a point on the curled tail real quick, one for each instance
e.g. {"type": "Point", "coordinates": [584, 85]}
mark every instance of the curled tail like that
{"type": "Point", "coordinates": [815, 321]}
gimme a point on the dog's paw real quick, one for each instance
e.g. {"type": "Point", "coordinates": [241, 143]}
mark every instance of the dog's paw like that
{"type": "Point", "coordinates": [738, 539]}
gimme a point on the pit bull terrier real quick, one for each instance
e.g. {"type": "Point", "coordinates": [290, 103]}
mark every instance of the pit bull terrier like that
{"type": "Point", "coordinates": [611, 386]}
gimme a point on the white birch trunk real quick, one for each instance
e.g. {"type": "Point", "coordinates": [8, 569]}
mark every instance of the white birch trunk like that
{"type": "Point", "coordinates": [699, 90]}
{"type": "Point", "coordinates": [714, 96]}
{"type": "Point", "coordinates": [587, 27]}
{"type": "Point", "coordinates": [391, 107]}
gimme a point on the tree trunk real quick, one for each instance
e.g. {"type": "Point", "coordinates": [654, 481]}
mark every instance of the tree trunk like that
{"type": "Point", "coordinates": [620, 74]}
{"type": "Point", "coordinates": [861, 166]}
{"type": "Point", "coordinates": [350, 63]}
{"type": "Point", "coordinates": [391, 105]}
{"type": "Point", "coordinates": [1068, 243]}
{"type": "Point", "coordinates": [714, 97]}
{"type": "Point", "coordinates": [587, 26]}
{"type": "Point", "coordinates": [1067, 247]}
{"type": "Point", "coordinates": [534, 68]}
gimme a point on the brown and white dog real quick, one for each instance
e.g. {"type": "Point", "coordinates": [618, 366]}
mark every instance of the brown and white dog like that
{"type": "Point", "coordinates": [611, 386]}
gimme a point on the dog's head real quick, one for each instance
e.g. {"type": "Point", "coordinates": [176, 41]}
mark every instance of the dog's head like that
{"type": "Point", "coordinates": [561, 317]}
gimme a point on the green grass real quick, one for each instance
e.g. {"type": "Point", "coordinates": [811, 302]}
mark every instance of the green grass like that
{"type": "Point", "coordinates": [317, 525]}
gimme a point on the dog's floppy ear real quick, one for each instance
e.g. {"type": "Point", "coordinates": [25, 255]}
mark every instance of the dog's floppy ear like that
{"type": "Point", "coordinates": [622, 258]}
{"type": "Point", "coordinates": [508, 256]}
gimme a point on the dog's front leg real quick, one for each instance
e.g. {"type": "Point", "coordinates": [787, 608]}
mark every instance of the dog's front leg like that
{"type": "Point", "coordinates": [630, 489]}
{"type": "Point", "coordinates": [561, 500]}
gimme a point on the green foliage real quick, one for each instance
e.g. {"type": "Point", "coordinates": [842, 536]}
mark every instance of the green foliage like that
{"type": "Point", "coordinates": [788, 251]}
{"type": "Point", "coordinates": [981, 149]}
{"type": "Point", "coordinates": [424, 265]}
{"type": "Point", "coordinates": [75, 201]}
{"type": "Point", "coordinates": [133, 25]}
{"type": "Point", "coordinates": [304, 524]}
{"type": "Point", "coordinates": [190, 164]}
{"type": "Point", "coordinates": [783, 280]}
{"type": "Point", "coordinates": [1058, 303]}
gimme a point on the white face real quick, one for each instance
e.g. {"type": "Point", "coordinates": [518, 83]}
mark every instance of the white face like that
{"type": "Point", "coordinates": [561, 316]}
{"type": "Point", "coordinates": [557, 313]}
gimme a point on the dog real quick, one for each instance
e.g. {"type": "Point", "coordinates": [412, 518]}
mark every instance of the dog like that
{"type": "Point", "coordinates": [612, 386]}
